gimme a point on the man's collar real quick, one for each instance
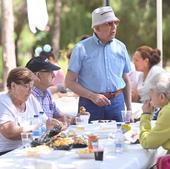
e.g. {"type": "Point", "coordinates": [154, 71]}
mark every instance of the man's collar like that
{"type": "Point", "coordinates": [39, 91]}
{"type": "Point", "coordinates": [98, 41]}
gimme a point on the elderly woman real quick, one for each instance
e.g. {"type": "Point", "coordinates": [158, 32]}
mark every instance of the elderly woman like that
{"type": "Point", "coordinates": [18, 106]}
{"type": "Point", "coordinates": [151, 138]}
{"type": "Point", "coordinates": [145, 60]}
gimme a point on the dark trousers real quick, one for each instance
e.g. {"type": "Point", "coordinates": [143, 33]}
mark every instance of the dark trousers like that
{"type": "Point", "coordinates": [111, 112]}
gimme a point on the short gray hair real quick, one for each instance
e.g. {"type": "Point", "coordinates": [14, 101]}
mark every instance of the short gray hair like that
{"type": "Point", "coordinates": [161, 83]}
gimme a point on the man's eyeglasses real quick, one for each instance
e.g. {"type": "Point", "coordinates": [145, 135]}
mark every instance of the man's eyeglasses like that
{"type": "Point", "coordinates": [112, 23]}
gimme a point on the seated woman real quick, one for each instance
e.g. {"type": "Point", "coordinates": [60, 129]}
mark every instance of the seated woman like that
{"type": "Point", "coordinates": [145, 59]}
{"type": "Point", "coordinates": [159, 135]}
{"type": "Point", "coordinates": [17, 108]}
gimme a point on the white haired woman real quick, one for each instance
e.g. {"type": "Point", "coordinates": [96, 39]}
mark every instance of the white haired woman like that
{"type": "Point", "coordinates": [159, 135]}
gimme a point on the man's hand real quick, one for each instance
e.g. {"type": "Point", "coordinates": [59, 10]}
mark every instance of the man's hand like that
{"type": "Point", "coordinates": [100, 100]}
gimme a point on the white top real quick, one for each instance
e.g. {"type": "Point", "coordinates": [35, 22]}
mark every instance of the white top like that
{"type": "Point", "coordinates": [9, 113]}
{"type": "Point", "coordinates": [134, 76]}
{"type": "Point", "coordinates": [143, 85]}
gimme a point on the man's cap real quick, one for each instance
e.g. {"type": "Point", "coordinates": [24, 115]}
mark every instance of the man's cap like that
{"type": "Point", "coordinates": [102, 15]}
{"type": "Point", "coordinates": [41, 64]}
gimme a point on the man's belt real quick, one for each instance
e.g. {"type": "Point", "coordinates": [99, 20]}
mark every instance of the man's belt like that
{"type": "Point", "coordinates": [110, 95]}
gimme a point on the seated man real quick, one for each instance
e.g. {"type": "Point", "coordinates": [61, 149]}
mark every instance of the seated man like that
{"type": "Point", "coordinates": [43, 69]}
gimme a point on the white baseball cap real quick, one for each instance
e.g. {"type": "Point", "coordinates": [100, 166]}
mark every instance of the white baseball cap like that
{"type": "Point", "coordinates": [103, 15]}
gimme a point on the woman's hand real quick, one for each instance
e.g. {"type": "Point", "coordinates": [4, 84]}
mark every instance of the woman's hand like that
{"type": "Point", "coordinates": [147, 107]}
{"type": "Point", "coordinates": [135, 95]}
{"type": "Point", "coordinates": [51, 123]}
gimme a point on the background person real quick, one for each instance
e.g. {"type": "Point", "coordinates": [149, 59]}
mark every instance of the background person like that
{"type": "Point", "coordinates": [145, 59]}
{"type": "Point", "coordinates": [154, 137]}
{"type": "Point", "coordinates": [134, 78]}
{"type": "Point", "coordinates": [18, 107]}
{"type": "Point", "coordinates": [98, 69]}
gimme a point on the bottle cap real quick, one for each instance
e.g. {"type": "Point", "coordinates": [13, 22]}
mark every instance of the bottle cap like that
{"type": "Point", "coordinates": [36, 115]}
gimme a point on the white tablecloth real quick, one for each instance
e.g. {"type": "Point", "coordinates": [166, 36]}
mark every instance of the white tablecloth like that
{"type": "Point", "coordinates": [133, 158]}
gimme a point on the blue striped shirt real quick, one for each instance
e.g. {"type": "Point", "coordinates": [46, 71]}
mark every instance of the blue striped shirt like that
{"type": "Point", "coordinates": [100, 67]}
{"type": "Point", "coordinates": [45, 99]}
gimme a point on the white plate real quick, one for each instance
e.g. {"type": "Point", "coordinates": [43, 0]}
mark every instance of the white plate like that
{"type": "Point", "coordinates": [86, 156]}
{"type": "Point", "coordinates": [103, 121]}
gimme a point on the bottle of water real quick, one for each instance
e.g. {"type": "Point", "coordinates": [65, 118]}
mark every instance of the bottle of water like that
{"type": "Point", "coordinates": [42, 123]}
{"type": "Point", "coordinates": [119, 139]}
{"type": "Point", "coordinates": [37, 132]}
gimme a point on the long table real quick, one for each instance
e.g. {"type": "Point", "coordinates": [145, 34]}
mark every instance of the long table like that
{"type": "Point", "coordinates": [133, 157]}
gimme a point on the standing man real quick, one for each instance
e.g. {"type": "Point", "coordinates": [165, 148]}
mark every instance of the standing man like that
{"type": "Point", "coordinates": [98, 69]}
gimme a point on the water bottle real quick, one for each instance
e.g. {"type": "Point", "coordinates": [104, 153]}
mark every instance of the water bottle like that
{"type": "Point", "coordinates": [42, 123]}
{"type": "Point", "coordinates": [119, 139]}
{"type": "Point", "coordinates": [37, 132]}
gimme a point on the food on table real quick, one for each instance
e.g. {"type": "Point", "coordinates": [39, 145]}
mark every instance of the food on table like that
{"type": "Point", "coordinates": [83, 111]}
{"type": "Point", "coordinates": [85, 153]}
{"type": "Point", "coordinates": [62, 143]}
{"type": "Point", "coordinates": [104, 121]}
{"type": "Point", "coordinates": [37, 151]}
{"type": "Point", "coordinates": [71, 133]}
{"type": "Point", "coordinates": [126, 127]}
{"type": "Point", "coordinates": [46, 138]}
{"type": "Point", "coordinates": [80, 128]}
{"type": "Point", "coordinates": [79, 142]}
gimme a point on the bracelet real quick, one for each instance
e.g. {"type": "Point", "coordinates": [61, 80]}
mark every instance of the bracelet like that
{"type": "Point", "coordinates": [146, 113]}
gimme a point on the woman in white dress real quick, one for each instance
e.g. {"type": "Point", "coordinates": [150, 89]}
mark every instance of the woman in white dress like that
{"type": "Point", "coordinates": [17, 109]}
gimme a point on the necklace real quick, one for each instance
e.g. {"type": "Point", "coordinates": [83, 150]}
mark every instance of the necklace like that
{"type": "Point", "coordinates": [20, 106]}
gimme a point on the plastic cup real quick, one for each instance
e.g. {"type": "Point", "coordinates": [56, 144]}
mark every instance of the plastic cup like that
{"type": "Point", "coordinates": [126, 115]}
{"type": "Point", "coordinates": [98, 155]}
{"type": "Point", "coordinates": [78, 120]}
{"type": "Point", "coordinates": [85, 119]}
{"type": "Point", "coordinates": [26, 138]}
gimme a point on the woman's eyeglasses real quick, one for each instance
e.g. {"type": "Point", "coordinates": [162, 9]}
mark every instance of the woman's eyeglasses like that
{"type": "Point", "coordinates": [27, 85]}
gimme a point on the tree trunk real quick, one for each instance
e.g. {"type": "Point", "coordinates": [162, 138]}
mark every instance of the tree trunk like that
{"type": "Point", "coordinates": [20, 21]}
{"type": "Point", "coordinates": [56, 29]}
{"type": "Point", "coordinates": [8, 46]}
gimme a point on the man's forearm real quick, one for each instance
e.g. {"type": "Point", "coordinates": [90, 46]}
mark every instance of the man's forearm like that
{"type": "Point", "coordinates": [79, 90]}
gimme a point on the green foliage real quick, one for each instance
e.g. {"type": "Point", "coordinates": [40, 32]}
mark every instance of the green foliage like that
{"type": "Point", "coordinates": [1, 61]}
{"type": "Point", "coordinates": [73, 24]}
{"type": "Point", "coordinates": [137, 25]}
{"type": "Point", "coordinates": [136, 21]}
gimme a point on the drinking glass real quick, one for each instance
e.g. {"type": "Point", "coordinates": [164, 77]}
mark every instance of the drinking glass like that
{"type": "Point", "coordinates": [85, 119]}
{"type": "Point", "coordinates": [26, 138]}
{"type": "Point", "coordinates": [126, 115]}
